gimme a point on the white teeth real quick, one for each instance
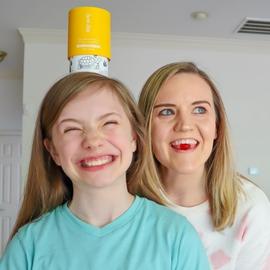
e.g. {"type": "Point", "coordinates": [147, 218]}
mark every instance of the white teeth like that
{"type": "Point", "coordinates": [96, 162]}
{"type": "Point", "coordinates": [184, 141]}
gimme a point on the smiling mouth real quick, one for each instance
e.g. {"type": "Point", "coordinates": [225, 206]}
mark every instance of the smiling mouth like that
{"type": "Point", "coordinates": [184, 144]}
{"type": "Point", "coordinates": [96, 162]}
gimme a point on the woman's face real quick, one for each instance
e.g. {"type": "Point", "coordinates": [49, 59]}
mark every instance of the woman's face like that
{"type": "Point", "coordinates": [183, 124]}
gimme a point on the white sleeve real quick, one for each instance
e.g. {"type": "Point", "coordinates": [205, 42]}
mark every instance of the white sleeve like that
{"type": "Point", "coordinates": [255, 250]}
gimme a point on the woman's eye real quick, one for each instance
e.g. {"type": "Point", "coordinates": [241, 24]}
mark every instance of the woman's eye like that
{"type": "Point", "coordinates": [166, 112]}
{"type": "Point", "coordinates": [71, 129]}
{"type": "Point", "coordinates": [199, 110]}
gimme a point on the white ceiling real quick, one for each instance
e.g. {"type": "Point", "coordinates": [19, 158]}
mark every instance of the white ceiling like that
{"type": "Point", "coordinates": [170, 17]}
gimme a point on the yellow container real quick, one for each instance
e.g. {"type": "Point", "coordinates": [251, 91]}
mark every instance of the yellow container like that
{"type": "Point", "coordinates": [89, 32]}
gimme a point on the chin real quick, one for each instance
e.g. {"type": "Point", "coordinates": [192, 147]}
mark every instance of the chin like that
{"type": "Point", "coordinates": [186, 169]}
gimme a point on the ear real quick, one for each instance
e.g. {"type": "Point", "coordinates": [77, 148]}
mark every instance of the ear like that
{"type": "Point", "coordinates": [134, 142]}
{"type": "Point", "coordinates": [216, 133]}
{"type": "Point", "coordinates": [51, 149]}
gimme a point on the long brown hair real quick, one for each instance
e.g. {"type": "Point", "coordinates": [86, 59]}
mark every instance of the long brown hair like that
{"type": "Point", "coordinates": [47, 186]}
{"type": "Point", "coordinates": [223, 183]}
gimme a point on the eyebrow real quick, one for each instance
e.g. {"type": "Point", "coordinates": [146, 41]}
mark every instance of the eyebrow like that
{"type": "Point", "coordinates": [173, 105]}
{"type": "Point", "coordinates": [200, 102]}
{"type": "Point", "coordinates": [164, 105]}
{"type": "Point", "coordinates": [80, 122]}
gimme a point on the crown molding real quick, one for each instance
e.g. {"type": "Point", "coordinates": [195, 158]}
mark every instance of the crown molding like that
{"type": "Point", "coordinates": [41, 35]}
{"type": "Point", "coordinates": [38, 35]}
{"type": "Point", "coordinates": [208, 43]}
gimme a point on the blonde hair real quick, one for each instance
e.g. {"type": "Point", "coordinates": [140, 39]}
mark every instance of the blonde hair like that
{"type": "Point", "coordinates": [47, 186]}
{"type": "Point", "coordinates": [223, 185]}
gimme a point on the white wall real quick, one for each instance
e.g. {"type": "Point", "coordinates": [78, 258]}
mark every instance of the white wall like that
{"type": "Point", "coordinates": [239, 68]}
{"type": "Point", "coordinates": [10, 103]}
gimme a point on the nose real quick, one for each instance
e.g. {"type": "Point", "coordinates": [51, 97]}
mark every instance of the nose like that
{"type": "Point", "coordinates": [92, 139]}
{"type": "Point", "coordinates": [183, 122]}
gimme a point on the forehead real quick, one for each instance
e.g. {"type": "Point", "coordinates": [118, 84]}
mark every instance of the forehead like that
{"type": "Point", "coordinates": [94, 99]}
{"type": "Point", "coordinates": [185, 86]}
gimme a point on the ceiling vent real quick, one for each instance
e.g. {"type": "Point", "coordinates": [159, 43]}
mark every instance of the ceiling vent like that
{"type": "Point", "coordinates": [254, 26]}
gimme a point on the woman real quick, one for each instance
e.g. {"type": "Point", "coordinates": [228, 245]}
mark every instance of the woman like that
{"type": "Point", "coordinates": [192, 169]}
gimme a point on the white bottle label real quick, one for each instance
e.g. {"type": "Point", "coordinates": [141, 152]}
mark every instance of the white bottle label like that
{"type": "Point", "coordinates": [91, 63]}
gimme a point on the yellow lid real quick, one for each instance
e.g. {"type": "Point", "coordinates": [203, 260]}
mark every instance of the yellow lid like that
{"type": "Point", "coordinates": [89, 32]}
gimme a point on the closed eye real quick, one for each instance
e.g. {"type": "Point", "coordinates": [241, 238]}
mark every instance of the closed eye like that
{"type": "Point", "coordinates": [166, 112]}
{"type": "Point", "coordinates": [71, 129]}
{"type": "Point", "coordinates": [199, 110]}
{"type": "Point", "coordinates": [110, 123]}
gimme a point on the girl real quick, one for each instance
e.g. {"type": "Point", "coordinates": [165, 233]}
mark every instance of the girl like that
{"type": "Point", "coordinates": [191, 168]}
{"type": "Point", "coordinates": [79, 210]}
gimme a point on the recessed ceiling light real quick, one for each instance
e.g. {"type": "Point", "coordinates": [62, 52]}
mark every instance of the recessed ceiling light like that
{"type": "Point", "coordinates": [199, 15]}
{"type": "Point", "coordinates": [2, 55]}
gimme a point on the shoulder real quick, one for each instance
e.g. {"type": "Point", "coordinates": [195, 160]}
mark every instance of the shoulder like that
{"type": "Point", "coordinates": [253, 204]}
{"type": "Point", "coordinates": [162, 214]}
{"type": "Point", "coordinates": [253, 195]}
{"type": "Point", "coordinates": [160, 210]}
{"type": "Point", "coordinates": [162, 219]}
{"type": "Point", "coordinates": [30, 239]}
{"type": "Point", "coordinates": [40, 226]}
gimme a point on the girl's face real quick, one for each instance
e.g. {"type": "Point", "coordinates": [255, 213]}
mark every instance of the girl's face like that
{"type": "Point", "coordinates": [92, 140]}
{"type": "Point", "coordinates": [183, 124]}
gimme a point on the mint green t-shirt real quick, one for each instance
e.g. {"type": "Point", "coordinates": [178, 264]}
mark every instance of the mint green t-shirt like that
{"type": "Point", "coordinates": [147, 236]}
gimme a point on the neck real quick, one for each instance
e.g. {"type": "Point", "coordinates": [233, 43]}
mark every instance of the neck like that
{"type": "Point", "coordinates": [185, 189]}
{"type": "Point", "coordinates": [100, 206]}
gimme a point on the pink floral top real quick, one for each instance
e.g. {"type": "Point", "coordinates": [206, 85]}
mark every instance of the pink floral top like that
{"type": "Point", "coordinates": [245, 245]}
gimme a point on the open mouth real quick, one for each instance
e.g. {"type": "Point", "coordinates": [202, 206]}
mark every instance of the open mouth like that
{"type": "Point", "coordinates": [184, 144]}
{"type": "Point", "coordinates": [96, 162]}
